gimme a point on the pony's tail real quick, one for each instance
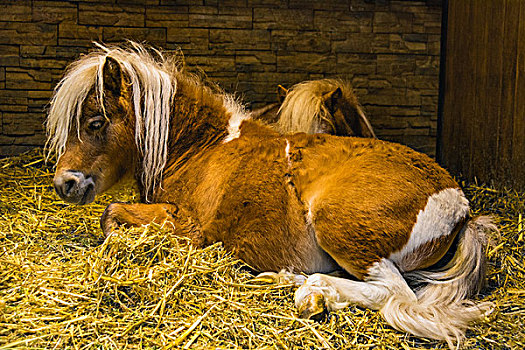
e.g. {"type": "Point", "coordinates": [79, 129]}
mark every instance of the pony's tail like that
{"type": "Point", "coordinates": [443, 310]}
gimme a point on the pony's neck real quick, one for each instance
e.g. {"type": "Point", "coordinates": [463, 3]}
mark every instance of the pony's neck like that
{"type": "Point", "coordinates": [200, 120]}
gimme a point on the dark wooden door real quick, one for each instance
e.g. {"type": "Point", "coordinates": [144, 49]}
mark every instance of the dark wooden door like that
{"type": "Point", "coordinates": [482, 120]}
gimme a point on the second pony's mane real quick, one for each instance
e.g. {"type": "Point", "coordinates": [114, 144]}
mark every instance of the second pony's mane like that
{"type": "Point", "coordinates": [153, 85]}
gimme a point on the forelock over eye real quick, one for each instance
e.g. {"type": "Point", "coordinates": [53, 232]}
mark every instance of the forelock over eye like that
{"type": "Point", "coordinates": [96, 123]}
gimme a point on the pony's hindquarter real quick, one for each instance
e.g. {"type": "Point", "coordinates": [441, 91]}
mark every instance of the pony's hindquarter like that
{"type": "Point", "coordinates": [364, 197]}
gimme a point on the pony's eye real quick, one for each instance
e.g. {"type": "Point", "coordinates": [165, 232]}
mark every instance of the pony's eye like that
{"type": "Point", "coordinates": [96, 123]}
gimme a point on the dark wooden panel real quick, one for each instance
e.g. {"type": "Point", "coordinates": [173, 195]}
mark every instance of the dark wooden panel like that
{"type": "Point", "coordinates": [483, 100]}
{"type": "Point", "coordinates": [504, 132]}
{"type": "Point", "coordinates": [494, 70]}
{"type": "Point", "coordinates": [479, 78]}
{"type": "Point", "coordinates": [518, 137]}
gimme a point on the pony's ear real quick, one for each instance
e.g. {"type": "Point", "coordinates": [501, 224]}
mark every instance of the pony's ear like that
{"type": "Point", "coordinates": [366, 127]}
{"type": "Point", "coordinates": [112, 75]}
{"type": "Point", "coordinates": [331, 99]}
{"type": "Point", "coordinates": [281, 93]}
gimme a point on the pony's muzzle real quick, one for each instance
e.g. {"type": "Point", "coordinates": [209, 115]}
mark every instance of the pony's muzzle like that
{"type": "Point", "coordinates": [74, 187]}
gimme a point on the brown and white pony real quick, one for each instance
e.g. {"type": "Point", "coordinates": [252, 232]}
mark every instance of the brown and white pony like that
{"type": "Point", "coordinates": [317, 106]}
{"type": "Point", "coordinates": [298, 203]}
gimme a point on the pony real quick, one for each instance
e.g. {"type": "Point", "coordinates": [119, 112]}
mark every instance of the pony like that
{"type": "Point", "coordinates": [288, 205]}
{"type": "Point", "coordinates": [317, 106]}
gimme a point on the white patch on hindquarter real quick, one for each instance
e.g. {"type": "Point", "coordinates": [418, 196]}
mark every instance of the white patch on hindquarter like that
{"type": "Point", "coordinates": [439, 217]}
{"type": "Point", "coordinates": [238, 115]}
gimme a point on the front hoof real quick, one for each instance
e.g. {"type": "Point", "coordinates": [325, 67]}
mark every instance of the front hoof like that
{"type": "Point", "coordinates": [313, 307]}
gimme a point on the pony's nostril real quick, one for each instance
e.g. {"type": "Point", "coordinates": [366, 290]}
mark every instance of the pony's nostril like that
{"type": "Point", "coordinates": [75, 187]}
{"type": "Point", "coordinates": [69, 185]}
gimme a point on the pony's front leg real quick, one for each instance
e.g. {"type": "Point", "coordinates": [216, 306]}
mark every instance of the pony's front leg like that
{"type": "Point", "coordinates": [138, 214]}
{"type": "Point", "coordinates": [135, 215]}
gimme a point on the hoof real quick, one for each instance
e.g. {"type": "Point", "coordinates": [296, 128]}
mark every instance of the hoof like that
{"type": "Point", "coordinates": [313, 307]}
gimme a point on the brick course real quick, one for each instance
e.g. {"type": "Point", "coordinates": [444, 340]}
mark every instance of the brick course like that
{"type": "Point", "coordinates": [389, 50]}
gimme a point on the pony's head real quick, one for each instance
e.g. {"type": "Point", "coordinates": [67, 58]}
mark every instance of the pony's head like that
{"type": "Point", "coordinates": [108, 113]}
{"type": "Point", "coordinates": [323, 106]}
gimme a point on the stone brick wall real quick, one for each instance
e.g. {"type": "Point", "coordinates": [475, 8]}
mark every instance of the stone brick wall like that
{"type": "Point", "coordinates": [389, 50]}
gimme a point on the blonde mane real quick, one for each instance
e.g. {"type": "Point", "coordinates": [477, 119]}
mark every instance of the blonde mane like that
{"type": "Point", "coordinates": [151, 76]}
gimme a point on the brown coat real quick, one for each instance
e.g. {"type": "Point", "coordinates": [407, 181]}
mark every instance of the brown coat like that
{"type": "Point", "coordinates": [363, 194]}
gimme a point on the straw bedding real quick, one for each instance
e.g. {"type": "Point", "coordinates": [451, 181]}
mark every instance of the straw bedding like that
{"type": "Point", "coordinates": [63, 285]}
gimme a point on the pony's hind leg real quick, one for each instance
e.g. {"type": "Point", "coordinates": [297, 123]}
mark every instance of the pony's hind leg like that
{"type": "Point", "coordinates": [429, 315]}
{"type": "Point", "coordinates": [320, 291]}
